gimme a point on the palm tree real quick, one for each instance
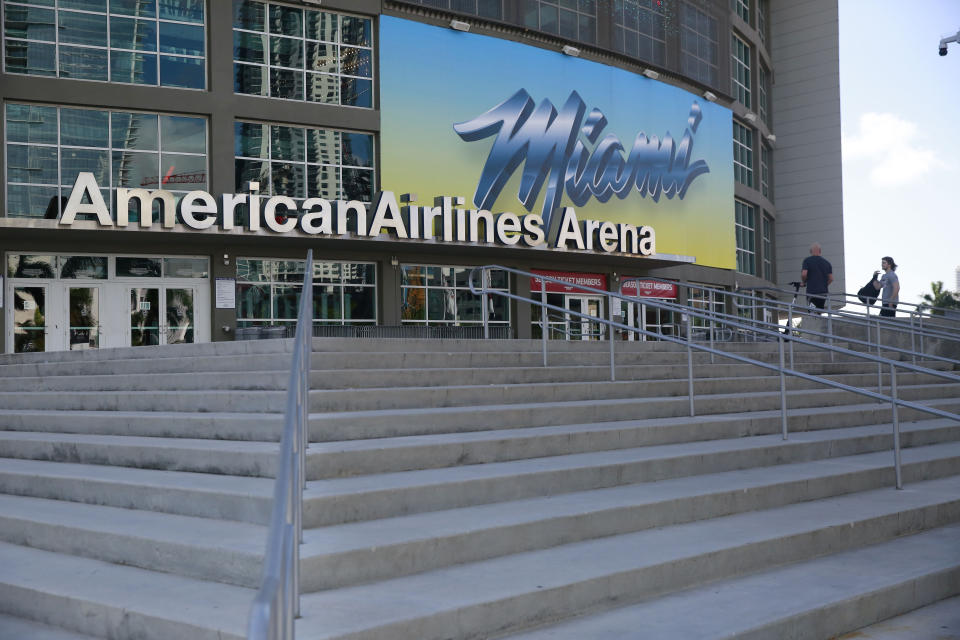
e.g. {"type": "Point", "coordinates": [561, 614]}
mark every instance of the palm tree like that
{"type": "Point", "coordinates": [940, 299]}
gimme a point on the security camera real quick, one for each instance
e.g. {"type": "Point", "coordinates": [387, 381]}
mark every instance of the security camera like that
{"type": "Point", "coordinates": [945, 41]}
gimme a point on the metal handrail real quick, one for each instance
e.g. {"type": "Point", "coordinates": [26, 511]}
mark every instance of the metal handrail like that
{"type": "Point", "coordinates": [277, 603]}
{"type": "Point", "coordinates": [831, 312]}
{"type": "Point", "coordinates": [689, 312]}
{"type": "Point", "coordinates": [947, 332]}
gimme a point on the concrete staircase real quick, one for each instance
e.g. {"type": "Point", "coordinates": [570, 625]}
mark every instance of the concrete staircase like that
{"type": "Point", "coordinates": [458, 489]}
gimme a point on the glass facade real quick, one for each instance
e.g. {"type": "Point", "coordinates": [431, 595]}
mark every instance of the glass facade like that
{"type": "Point", "coordinates": [304, 162]}
{"type": "Point", "coordinates": [707, 302]}
{"type": "Point", "coordinates": [742, 154]}
{"type": "Point", "coordinates": [571, 19]}
{"type": "Point", "coordinates": [765, 156]}
{"type": "Point", "coordinates": [492, 9]}
{"type": "Point", "coordinates": [768, 272]}
{"type": "Point", "coordinates": [126, 41]}
{"type": "Point", "coordinates": [740, 67]}
{"type": "Point", "coordinates": [48, 146]}
{"type": "Point", "coordinates": [640, 30]}
{"type": "Point", "coordinates": [288, 52]}
{"type": "Point", "coordinates": [268, 292]}
{"type": "Point", "coordinates": [741, 8]}
{"type": "Point", "coordinates": [436, 295]}
{"type": "Point", "coordinates": [745, 215]}
{"type": "Point", "coordinates": [699, 44]}
{"type": "Point", "coordinates": [763, 93]}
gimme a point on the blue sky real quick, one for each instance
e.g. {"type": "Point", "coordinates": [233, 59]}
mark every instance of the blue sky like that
{"type": "Point", "coordinates": [901, 168]}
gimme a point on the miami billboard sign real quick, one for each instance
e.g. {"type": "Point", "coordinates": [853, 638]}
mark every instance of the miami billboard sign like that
{"type": "Point", "coordinates": [575, 144]}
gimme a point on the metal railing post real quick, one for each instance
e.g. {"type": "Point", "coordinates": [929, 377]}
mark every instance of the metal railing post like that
{"type": "Point", "coordinates": [879, 364]}
{"type": "Point", "coordinates": [921, 334]}
{"type": "Point", "coordinates": [913, 338]}
{"type": "Point", "coordinates": [791, 330]}
{"type": "Point", "coordinates": [830, 328]}
{"type": "Point", "coordinates": [484, 276]}
{"type": "Point", "coordinates": [613, 373]}
{"type": "Point", "coordinates": [543, 317]}
{"type": "Point", "coordinates": [686, 320]}
{"type": "Point", "coordinates": [896, 425]}
{"type": "Point", "coordinates": [712, 324]}
{"type": "Point", "coordinates": [783, 390]}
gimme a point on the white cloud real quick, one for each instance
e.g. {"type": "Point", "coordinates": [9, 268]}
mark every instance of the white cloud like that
{"type": "Point", "coordinates": [889, 146]}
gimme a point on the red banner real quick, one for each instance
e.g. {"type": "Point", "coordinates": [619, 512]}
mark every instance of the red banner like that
{"type": "Point", "coordinates": [575, 280]}
{"type": "Point", "coordinates": [648, 289]}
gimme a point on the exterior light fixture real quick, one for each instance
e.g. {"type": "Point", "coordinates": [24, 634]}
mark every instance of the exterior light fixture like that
{"type": "Point", "coordinates": [459, 25]}
{"type": "Point", "coordinates": [650, 73]}
{"type": "Point", "coordinates": [571, 50]}
{"type": "Point", "coordinates": [750, 117]}
{"type": "Point", "coordinates": [710, 96]}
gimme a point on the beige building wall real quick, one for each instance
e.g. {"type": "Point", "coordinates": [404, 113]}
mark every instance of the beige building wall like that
{"type": "Point", "coordinates": [805, 48]}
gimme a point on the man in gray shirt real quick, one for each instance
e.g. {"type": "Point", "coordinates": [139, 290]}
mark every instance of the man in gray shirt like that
{"type": "Point", "coordinates": [890, 284]}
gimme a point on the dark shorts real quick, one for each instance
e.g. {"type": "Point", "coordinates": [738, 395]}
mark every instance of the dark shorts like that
{"type": "Point", "coordinates": [817, 301]}
{"type": "Point", "coordinates": [888, 311]}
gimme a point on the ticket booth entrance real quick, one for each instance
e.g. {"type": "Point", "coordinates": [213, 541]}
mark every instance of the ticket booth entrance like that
{"type": "Point", "coordinates": [645, 316]}
{"type": "Point", "coordinates": [567, 292]}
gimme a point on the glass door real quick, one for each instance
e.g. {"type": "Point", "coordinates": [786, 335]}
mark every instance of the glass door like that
{"type": "Point", "coordinates": [29, 318]}
{"type": "Point", "coordinates": [144, 316]}
{"type": "Point", "coordinates": [579, 328]}
{"type": "Point", "coordinates": [179, 326]}
{"type": "Point", "coordinates": [175, 325]}
{"type": "Point", "coordinates": [83, 314]}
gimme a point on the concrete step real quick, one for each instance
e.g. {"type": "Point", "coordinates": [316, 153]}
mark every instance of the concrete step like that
{"type": "Point", "coordinates": [350, 425]}
{"type": "Point", "coordinates": [19, 629]}
{"type": "Point", "coordinates": [107, 600]}
{"type": "Point", "coordinates": [389, 398]}
{"type": "Point", "coordinates": [521, 590]}
{"type": "Point", "coordinates": [197, 547]}
{"type": "Point", "coordinates": [406, 453]}
{"type": "Point", "coordinates": [271, 380]}
{"type": "Point", "coordinates": [235, 458]}
{"type": "Point", "coordinates": [823, 598]}
{"type": "Point", "coordinates": [342, 555]}
{"type": "Point", "coordinates": [214, 425]}
{"type": "Point", "coordinates": [208, 495]}
{"type": "Point", "coordinates": [941, 618]}
{"type": "Point", "coordinates": [359, 498]}
{"type": "Point", "coordinates": [394, 359]}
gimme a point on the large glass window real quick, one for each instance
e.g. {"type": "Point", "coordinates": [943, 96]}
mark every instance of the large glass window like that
{"type": "Point", "coordinates": [304, 162]}
{"type": "Point", "coordinates": [740, 67]}
{"type": "Point", "coordinates": [741, 8]}
{"type": "Point", "coordinates": [47, 146]}
{"type": "Point", "coordinates": [746, 238]}
{"type": "Point", "coordinates": [763, 94]}
{"type": "Point", "coordinates": [434, 295]}
{"type": "Point", "coordinates": [571, 19]}
{"type": "Point", "coordinates": [640, 30]}
{"type": "Point", "coordinates": [699, 44]}
{"type": "Point", "coordinates": [768, 273]}
{"type": "Point", "coordinates": [742, 154]}
{"type": "Point", "coordinates": [290, 52]}
{"type": "Point", "coordinates": [763, 9]}
{"type": "Point", "coordinates": [482, 8]}
{"type": "Point", "coordinates": [268, 292]}
{"type": "Point", "coordinates": [765, 159]}
{"type": "Point", "coordinates": [129, 41]}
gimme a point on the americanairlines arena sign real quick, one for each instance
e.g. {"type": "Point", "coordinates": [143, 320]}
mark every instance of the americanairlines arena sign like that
{"type": "Point", "coordinates": [446, 221]}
